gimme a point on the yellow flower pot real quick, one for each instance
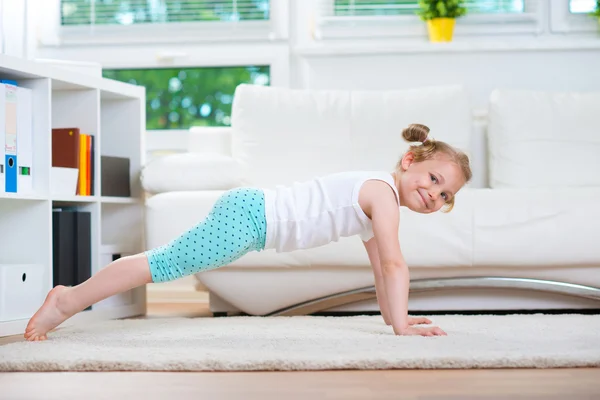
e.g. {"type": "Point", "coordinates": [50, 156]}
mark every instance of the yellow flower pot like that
{"type": "Point", "coordinates": [441, 29]}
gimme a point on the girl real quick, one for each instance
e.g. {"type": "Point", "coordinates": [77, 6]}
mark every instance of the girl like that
{"type": "Point", "coordinates": [300, 216]}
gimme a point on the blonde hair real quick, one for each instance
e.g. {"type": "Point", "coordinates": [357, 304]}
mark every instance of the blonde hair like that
{"type": "Point", "coordinates": [430, 148]}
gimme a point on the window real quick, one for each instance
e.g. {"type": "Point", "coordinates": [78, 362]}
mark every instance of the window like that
{"type": "Point", "coordinates": [167, 21]}
{"type": "Point", "coordinates": [572, 16]}
{"type": "Point", "coordinates": [410, 7]}
{"type": "Point", "coordinates": [179, 98]}
{"type": "Point", "coordinates": [393, 18]}
{"type": "Point", "coordinates": [128, 12]}
{"type": "Point", "coordinates": [581, 6]}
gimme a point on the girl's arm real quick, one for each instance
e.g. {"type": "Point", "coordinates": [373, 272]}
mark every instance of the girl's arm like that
{"type": "Point", "coordinates": [371, 247]}
{"type": "Point", "coordinates": [385, 216]}
{"type": "Point", "coordinates": [382, 300]}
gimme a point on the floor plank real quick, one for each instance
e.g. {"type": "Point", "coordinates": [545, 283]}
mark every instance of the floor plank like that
{"type": "Point", "coordinates": [511, 384]}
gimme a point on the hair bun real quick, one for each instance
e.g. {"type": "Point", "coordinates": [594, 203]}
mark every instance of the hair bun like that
{"type": "Point", "coordinates": [415, 133]}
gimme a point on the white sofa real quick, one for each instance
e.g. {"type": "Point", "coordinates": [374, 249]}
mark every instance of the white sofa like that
{"type": "Point", "coordinates": [521, 236]}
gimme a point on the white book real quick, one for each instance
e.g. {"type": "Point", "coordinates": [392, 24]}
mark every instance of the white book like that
{"type": "Point", "coordinates": [24, 141]}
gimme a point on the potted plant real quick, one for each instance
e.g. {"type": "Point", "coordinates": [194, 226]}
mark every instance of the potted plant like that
{"type": "Point", "coordinates": [440, 16]}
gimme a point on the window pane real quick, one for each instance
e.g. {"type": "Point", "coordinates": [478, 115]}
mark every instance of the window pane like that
{"type": "Point", "coordinates": [410, 7]}
{"type": "Point", "coordinates": [127, 12]}
{"type": "Point", "coordinates": [582, 6]}
{"type": "Point", "coordinates": [495, 6]}
{"type": "Point", "coordinates": [375, 7]}
{"type": "Point", "coordinates": [178, 98]}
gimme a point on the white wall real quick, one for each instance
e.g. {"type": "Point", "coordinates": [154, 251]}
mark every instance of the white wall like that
{"type": "Point", "coordinates": [13, 32]}
{"type": "Point", "coordinates": [570, 69]}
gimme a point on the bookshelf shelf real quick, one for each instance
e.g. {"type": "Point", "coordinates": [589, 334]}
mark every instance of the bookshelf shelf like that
{"type": "Point", "coordinates": [120, 200]}
{"type": "Point", "coordinates": [114, 113]}
{"type": "Point", "coordinates": [75, 199]}
{"type": "Point", "coordinates": [16, 196]}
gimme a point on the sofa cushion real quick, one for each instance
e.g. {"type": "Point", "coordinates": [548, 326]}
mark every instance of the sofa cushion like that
{"type": "Point", "coordinates": [544, 139]}
{"type": "Point", "coordinates": [536, 227]}
{"type": "Point", "coordinates": [281, 135]}
{"type": "Point", "coordinates": [191, 171]}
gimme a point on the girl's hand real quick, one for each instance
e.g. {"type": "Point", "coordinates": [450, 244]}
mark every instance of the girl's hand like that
{"type": "Point", "coordinates": [418, 320]}
{"type": "Point", "coordinates": [429, 331]}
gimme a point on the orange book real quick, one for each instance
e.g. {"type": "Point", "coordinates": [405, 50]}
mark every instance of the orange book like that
{"type": "Point", "coordinates": [83, 165]}
{"type": "Point", "coordinates": [80, 182]}
{"type": "Point", "coordinates": [88, 170]}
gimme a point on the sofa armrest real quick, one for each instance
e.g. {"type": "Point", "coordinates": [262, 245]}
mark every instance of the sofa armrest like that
{"type": "Point", "coordinates": [191, 171]}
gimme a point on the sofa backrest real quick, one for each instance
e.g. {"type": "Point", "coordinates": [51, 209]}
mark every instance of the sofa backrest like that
{"type": "Point", "coordinates": [282, 135]}
{"type": "Point", "coordinates": [543, 139]}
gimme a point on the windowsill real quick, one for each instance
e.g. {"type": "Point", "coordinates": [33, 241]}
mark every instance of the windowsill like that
{"type": "Point", "coordinates": [73, 41]}
{"type": "Point", "coordinates": [152, 34]}
{"type": "Point", "coordinates": [458, 45]}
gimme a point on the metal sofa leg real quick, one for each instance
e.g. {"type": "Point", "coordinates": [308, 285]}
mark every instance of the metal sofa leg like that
{"type": "Point", "coordinates": [422, 285]}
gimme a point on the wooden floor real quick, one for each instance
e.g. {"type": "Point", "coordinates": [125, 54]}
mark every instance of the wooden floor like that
{"type": "Point", "coordinates": [546, 384]}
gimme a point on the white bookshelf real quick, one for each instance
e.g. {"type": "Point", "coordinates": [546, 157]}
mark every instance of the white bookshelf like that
{"type": "Point", "coordinates": [114, 113]}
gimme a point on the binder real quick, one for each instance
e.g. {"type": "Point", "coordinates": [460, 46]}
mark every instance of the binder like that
{"type": "Point", "coordinates": [83, 247]}
{"type": "Point", "coordinates": [24, 140]}
{"type": "Point", "coordinates": [10, 161]}
{"type": "Point", "coordinates": [10, 138]}
{"type": "Point", "coordinates": [63, 248]}
{"type": "Point", "coordinates": [72, 246]}
{"type": "Point", "coordinates": [2, 138]}
{"type": "Point", "coordinates": [83, 232]}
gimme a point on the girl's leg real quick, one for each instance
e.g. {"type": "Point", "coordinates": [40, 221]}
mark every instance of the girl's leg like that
{"type": "Point", "coordinates": [235, 226]}
{"type": "Point", "coordinates": [63, 302]}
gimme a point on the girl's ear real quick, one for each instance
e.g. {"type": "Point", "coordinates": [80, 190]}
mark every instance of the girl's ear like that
{"type": "Point", "coordinates": [407, 160]}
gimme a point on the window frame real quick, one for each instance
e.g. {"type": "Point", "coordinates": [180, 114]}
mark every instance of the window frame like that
{"type": "Point", "coordinates": [328, 27]}
{"type": "Point", "coordinates": [276, 28]}
{"type": "Point", "coordinates": [563, 21]}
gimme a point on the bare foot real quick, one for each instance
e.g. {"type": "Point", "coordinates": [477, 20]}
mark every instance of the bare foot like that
{"type": "Point", "coordinates": [48, 317]}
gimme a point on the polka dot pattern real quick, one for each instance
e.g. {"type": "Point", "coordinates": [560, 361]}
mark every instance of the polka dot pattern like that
{"type": "Point", "coordinates": [235, 225]}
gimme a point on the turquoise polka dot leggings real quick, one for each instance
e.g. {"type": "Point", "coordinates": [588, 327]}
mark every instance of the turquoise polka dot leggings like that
{"type": "Point", "coordinates": [235, 225]}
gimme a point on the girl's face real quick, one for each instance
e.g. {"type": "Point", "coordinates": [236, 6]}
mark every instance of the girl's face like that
{"type": "Point", "coordinates": [426, 186]}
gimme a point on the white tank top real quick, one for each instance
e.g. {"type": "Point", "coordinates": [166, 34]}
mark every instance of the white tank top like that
{"type": "Point", "coordinates": [319, 211]}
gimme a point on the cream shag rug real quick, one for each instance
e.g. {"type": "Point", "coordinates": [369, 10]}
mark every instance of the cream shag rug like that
{"type": "Point", "coordinates": [311, 343]}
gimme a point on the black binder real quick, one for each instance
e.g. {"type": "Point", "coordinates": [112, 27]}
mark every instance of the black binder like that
{"type": "Point", "coordinates": [72, 246]}
{"type": "Point", "coordinates": [63, 248]}
{"type": "Point", "coordinates": [83, 237]}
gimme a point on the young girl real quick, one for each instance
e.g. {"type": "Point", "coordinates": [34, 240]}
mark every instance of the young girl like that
{"type": "Point", "coordinates": [301, 216]}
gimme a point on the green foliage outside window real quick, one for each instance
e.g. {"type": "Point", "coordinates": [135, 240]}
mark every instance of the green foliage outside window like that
{"type": "Point", "coordinates": [178, 98]}
{"type": "Point", "coordinates": [596, 12]}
